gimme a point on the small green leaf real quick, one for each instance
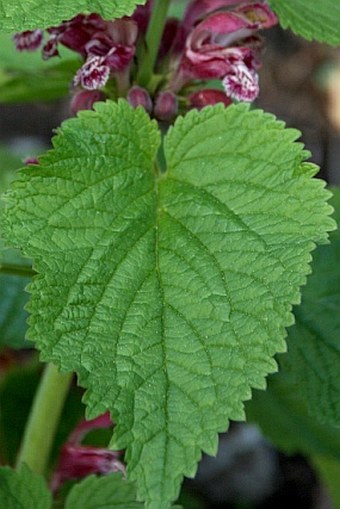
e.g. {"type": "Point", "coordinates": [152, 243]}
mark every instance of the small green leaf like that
{"type": "Point", "coordinates": [110, 491]}
{"type": "Point", "coordinates": [30, 14]}
{"type": "Point", "coordinates": [167, 293]}
{"type": "Point", "coordinates": [313, 19]}
{"type": "Point", "coordinates": [23, 489]}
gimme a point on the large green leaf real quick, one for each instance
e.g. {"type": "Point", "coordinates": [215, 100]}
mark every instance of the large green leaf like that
{"type": "Point", "coordinates": [313, 19]}
{"type": "Point", "coordinates": [30, 14]}
{"type": "Point", "coordinates": [22, 489]}
{"type": "Point", "coordinates": [167, 293]}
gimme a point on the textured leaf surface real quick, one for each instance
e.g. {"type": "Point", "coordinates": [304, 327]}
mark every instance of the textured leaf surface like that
{"type": "Point", "coordinates": [313, 19]}
{"type": "Point", "coordinates": [30, 14]}
{"type": "Point", "coordinates": [110, 491]}
{"type": "Point", "coordinates": [22, 489]}
{"type": "Point", "coordinates": [167, 294]}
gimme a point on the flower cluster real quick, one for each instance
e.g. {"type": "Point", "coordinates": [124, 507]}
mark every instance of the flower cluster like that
{"type": "Point", "coordinates": [216, 40]}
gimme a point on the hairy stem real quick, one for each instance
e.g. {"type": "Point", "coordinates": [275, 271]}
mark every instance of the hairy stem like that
{"type": "Point", "coordinates": [44, 418]}
{"type": "Point", "coordinates": [152, 40]}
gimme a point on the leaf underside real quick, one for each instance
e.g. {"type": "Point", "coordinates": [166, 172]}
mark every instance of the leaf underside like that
{"type": "Point", "coordinates": [313, 19]}
{"type": "Point", "coordinates": [168, 294]}
{"type": "Point", "coordinates": [31, 14]}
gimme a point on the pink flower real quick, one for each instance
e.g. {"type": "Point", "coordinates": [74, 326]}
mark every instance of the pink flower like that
{"type": "Point", "coordinates": [225, 45]}
{"type": "Point", "coordinates": [74, 34]}
{"type": "Point", "coordinates": [29, 40]}
{"type": "Point", "coordinates": [93, 74]}
{"type": "Point", "coordinates": [110, 50]}
{"type": "Point", "coordinates": [241, 82]}
{"type": "Point", "coordinates": [107, 46]}
{"type": "Point", "coordinates": [77, 461]}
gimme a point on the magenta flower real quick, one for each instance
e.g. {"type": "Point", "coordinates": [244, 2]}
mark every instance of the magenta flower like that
{"type": "Point", "coordinates": [225, 45]}
{"type": "Point", "coordinates": [29, 40]}
{"type": "Point", "coordinates": [107, 51]}
{"type": "Point", "coordinates": [106, 46]}
{"type": "Point", "coordinates": [74, 34]}
{"type": "Point", "coordinates": [77, 461]}
{"type": "Point", "coordinates": [93, 74]}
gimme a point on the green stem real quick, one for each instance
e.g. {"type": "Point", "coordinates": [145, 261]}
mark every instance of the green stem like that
{"type": "Point", "coordinates": [152, 40]}
{"type": "Point", "coordinates": [17, 270]}
{"type": "Point", "coordinates": [44, 418]}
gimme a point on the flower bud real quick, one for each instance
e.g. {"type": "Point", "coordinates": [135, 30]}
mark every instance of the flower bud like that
{"type": "Point", "coordinates": [208, 97]}
{"type": "Point", "coordinates": [139, 96]}
{"type": "Point", "coordinates": [166, 106]}
{"type": "Point", "coordinates": [84, 100]}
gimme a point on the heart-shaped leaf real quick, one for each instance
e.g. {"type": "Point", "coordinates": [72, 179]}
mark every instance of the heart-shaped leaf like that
{"type": "Point", "coordinates": [167, 292]}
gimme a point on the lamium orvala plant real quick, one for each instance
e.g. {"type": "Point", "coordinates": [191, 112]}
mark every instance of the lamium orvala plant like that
{"type": "Point", "coordinates": [164, 239]}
